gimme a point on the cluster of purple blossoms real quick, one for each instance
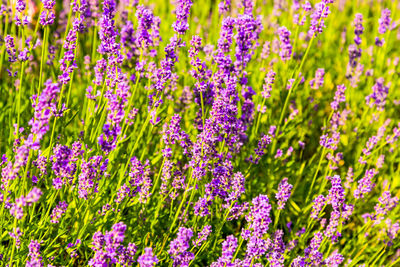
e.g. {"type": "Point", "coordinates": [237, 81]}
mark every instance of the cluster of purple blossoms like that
{"type": "Point", "coordinates": [224, 6]}
{"type": "Point", "coordinates": [258, 220]}
{"type": "Point", "coordinates": [228, 249]}
{"type": "Point", "coordinates": [116, 103]}
{"type": "Point", "coordinates": [165, 73]}
{"type": "Point", "coordinates": [285, 47]}
{"type": "Point", "coordinates": [318, 81]}
{"type": "Point", "coordinates": [384, 25]}
{"type": "Point", "coordinates": [64, 163]}
{"type": "Point", "coordinates": [146, 20]}
{"type": "Point", "coordinates": [92, 171]}
{"type": "Point", "coordinates": [379, 94]}
{"type": "Point", "coordinates": [358, 28]}
{"type": "Point", "coordinates": [35, 259]}
{"type": "Point", "coordinates": [312, 257]}
{"type": "Point", "coordinates": [108, 248]}
{"type": "Point", "coordinates": [384, 21]}
{"type": "Point", "coordinates": [108, 32]}
{"type": "Point", "coordinates": [10, 48]}
{"type": "Point", "coordinates": [20, 19]}
{"type": "Point", "coordinates": [334, 260]}
{"type": "Point", "coordinates": [16, 234]}
{"type": "Point", "coordinates": [202, 88]}
{"type": "Point", "coordinates": [147, 259]}
{"type": "Point", "coordinates": [248, 30]}
{"type": "Point", "coordinates": [117, 82]}
{"type": "Point", "coordinates": [202, 236]}
{"type": "Point", "coordinates": [339, 97]}
{"type": "Point", "coordinates": [277, 249]}
{"type": "Point", "coordinates": [318, 203]}
{"type": "Point", "coordinates": [330, 142]}
{"type": "Point", "coordinates": [58, 212]}
{"type": "Point", "coordinates": [320, 13]}
{"type": "Point", "coordinates": [182, 12]}
{"type": "Point", "coordinates": [47, 16]}
{"type": "Point", "coordinates": [68, 62]}
{"type": "Point", "coordinates": [365, 184]}
{"type": "Point", "coordinates": [373, 141]}
{"type": "Point", "coordinates": [260, 150]}
{"type": "Point", "coordinates": [178, 248]}
{"type": "Point", "coordinates": [284, 192]}
{"type": "Point", "coordinates": [354, 56]}
{"type": "Point", "coordinates": [268, 82]}
{"type": "Point", "coordinates": [386, 203]}
{"type": "Point", "coordinates": [16, 208]}
{"type": "Point", "coordinates": [336, 199]}
{"type": "Point", "coordinates": [139, 182]}
{"type": "Point", "coordinates": [43, 106]}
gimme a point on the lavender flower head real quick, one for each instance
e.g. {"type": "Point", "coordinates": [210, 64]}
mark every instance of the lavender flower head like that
{"type": "Point", "coordinates": [179, 246]}
{"type": "Point", "coordinates": [384, 21]}
{"type": "Point", "coordinates": [285, 47]}
{"type": "Point", "coordinates": [284, 192]}
{"type": "Point", "coordinates": [379, 94]}
{"type": "Point", "coordinates": [182, 13]}
{"type": "Point", "coordinates": [358, 28]}
{"type": "Point", "coordinates": [258, 218]}
{"type": "Point", "coordinates": [147, 259]}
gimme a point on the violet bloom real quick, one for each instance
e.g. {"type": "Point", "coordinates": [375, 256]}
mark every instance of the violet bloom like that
{"type": "Point", "coordinates": [16, 234]}
{"type": "Point", "coordinates": [318, 203]}
{"type": "Point", "coordinates": [147, 259]}
{"type": "Point", "coordinates": [284, 192]}
{"type": "Point", "coordinates": [63, 165]}
{"type": "Point", "coordinates": [354, 55]}
{"type": "Point", "coordinates": [35, 259]}
{"type": "Point", "coordinates": [285, 47]}
{"type": "Point", "coordinates": [268, 82]}
{"type": "Point", "coordinates": [379, 94]}
{"type": "Point", "coordinates": [339, 97]}
{"type": "Point", "coordinates": [365, 184]}
{"type": "Point", "coordinates": [318, 81]}
{"type": "Point", "coordinates": [320, 13]}
{"type": "Point", "coordinates": [386, 203]}
{"type": "Point", "coordinates": [336, 193]}
{"type": "Point", "coordinates": [145, 23]}
{"type": "Point", "coordinates": [384, 21]}
{"type": "Point", "coordinates": [58, 211]}
{"type": "Point", "coordinates": [358, 28]}
{"type": "Point", "coordinates": [260, 150]}
{"type": "Point", "coordinates": [182, 11]}
{"type": "Point", "coordinates": [248, 30]}
{"type": "Point", "coordinates": [20, 6]}
{"type": "Point", "coordinates": [10, 48]}
{"type": "Point", "coordinates": [276, 255]}
{"type": "Point", "coordinates": [109, 249]}
{"type": "Point", "coordinates": [224, 6]}
{"type": "Point", "coordinates": [228, 249]}
{"type": "Point", "coordinates": [384, 25]}
{"type": "Point", "coordinates": [334, 260]}
{"type": "Point", "coordinates": [47, 16]}
{"type": "Point", "coordinates": [91, 172]}
{"type": "Point", "coordinates": [312, 257]}
{"type": "Point", "coordinates": [139, 182]}
{"type": "Point", "coordinates": [202, 236]}
{"type": "Point", "coordinates": [178, 248]}
{"type": "Point", "coordinates": [67, 63]}
{"type": "Point", "coordinates": [259, 216]}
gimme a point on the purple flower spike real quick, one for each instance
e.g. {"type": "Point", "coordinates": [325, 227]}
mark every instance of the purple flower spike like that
{"type": "Point", "coordinates": [284, 192]}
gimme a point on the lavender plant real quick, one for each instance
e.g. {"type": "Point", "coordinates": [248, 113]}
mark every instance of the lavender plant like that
{"type": "Point", "coordinates": [199, 133]}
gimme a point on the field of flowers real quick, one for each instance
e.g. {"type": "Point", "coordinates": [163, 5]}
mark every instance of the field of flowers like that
{"type": "Point", "coordinates": [199, 133]}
